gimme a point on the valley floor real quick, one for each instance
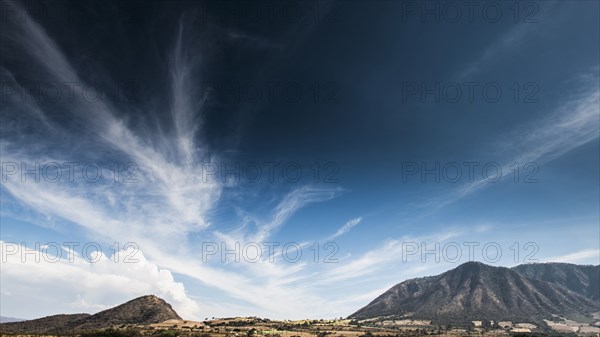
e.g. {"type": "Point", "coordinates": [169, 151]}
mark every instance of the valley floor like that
{"type": "Point", "coordinates": [256, 327]}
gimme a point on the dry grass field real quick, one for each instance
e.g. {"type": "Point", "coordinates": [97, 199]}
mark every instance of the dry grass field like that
{"type": "Point", "coordinates": [383, 327]}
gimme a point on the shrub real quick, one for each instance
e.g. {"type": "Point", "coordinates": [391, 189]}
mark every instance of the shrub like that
{"type": "Point", "coordinates": [112, 333]}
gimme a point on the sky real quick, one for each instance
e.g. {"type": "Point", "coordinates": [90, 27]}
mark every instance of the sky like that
{"type": "Point", "coordinates": [289, 160]}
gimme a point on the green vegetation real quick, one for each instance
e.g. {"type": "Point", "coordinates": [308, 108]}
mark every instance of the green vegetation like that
{"type": "Point", "coordinates": [112, 333]}
{"type": "Point", "coordinates": [166, 333]}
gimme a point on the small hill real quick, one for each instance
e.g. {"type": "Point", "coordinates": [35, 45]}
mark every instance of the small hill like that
{"type": "Point", "coordinates": [44, 325]}
{"type": "Point", "coordinates": [142, 310]}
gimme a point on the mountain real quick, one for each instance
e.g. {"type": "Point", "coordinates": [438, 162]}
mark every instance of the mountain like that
{"type": "Point", "coordinates": [49, 324]}
{"type": "Point", "coordinates": [584, 280]}
{"type": "Point", "coordinates": [4, 319]}
{"type": "Point", "coordinates": [476, 291]}
{"type": "Point", "coordinates": [142, 310]}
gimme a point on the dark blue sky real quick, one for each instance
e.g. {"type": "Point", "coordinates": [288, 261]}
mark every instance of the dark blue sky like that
{"type": "Point", "coordinates": [373, 125]}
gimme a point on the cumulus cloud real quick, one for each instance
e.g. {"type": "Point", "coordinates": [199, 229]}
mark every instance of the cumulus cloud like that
{"type": "Point", "coordinates": [87, 284]}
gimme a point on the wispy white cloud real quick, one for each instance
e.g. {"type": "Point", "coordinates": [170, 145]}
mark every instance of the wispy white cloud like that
{"type": "Point", "coordinates": [346, 227]}
{"type": "Point", "coordinates": [387, 254]}
{"type": "Point", "coordinates": [293, 201]}
{"type": "Point", "coordinates": [167, 209]}
{"type": "Point", "coordinates": [573, 124]}
{"type": "Point", "coordinates": [591, 256]}
{"type": "Point", "coordinates": [508, 42]}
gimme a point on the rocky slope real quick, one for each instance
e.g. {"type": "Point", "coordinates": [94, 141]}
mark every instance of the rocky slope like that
{"type": "Point", "coordinates": [142, 310]}
{"type": "Point", "coordinates": [475, 291]}
{"type": "Point", "coordinates": [584, 280]}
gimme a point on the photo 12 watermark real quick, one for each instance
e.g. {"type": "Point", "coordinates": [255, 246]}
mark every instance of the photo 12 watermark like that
{"type": "Point", "coordinates": [253, 252]}
{"type": "Point", "coordinates": [270, 172]}
{"type": "Point", "coordinates": [470, 12]}
{"type": "Point", "coordinates": [455, 252]}
{"type": "Point", "coordinates": [469, 92]}
{"type": "Point", "coordinates": [271, 12]}
{"type": "Point", "coordinates": [68, 92]}
{"type": "Point", "coordinates": [469, 171]}
{"type": "Point", "coordinates": [69, 172]}
{"type": "Point", "coordinates": [69, 252]}
{"type": "Point", "coordinates": [236, 92]}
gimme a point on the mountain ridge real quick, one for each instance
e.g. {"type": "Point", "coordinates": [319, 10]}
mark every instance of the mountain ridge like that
{"type": "Point", "coordinates": [583, 279]}
{"type": "Point", "coordinates": [476, 291]}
